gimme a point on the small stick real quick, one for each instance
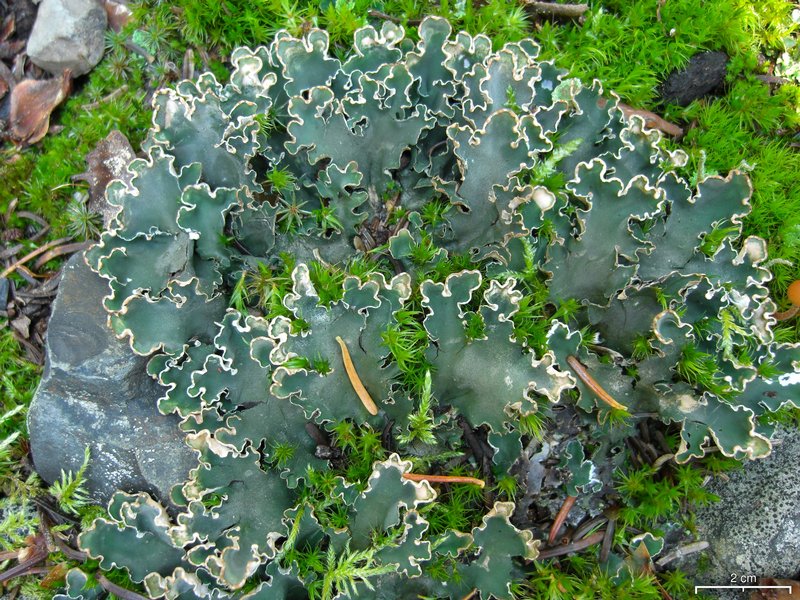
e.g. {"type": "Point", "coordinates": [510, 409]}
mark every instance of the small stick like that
{"type": "Point", "coordinates": [117, 92]}
{"type": "Point", "coordinates": [585, 529]}
{"type": "Point", "coordinates": [444, 479]}
{"type": "Point", "coordinates": [22, 568]}
{"type": "Point", "coordinates": [68, 550]}
{"type": "Point", "coordinates": [589, 540]}
{"type": "Point", "coordinates": [567, 11]}
{"type": "Point", "coordinates": [569, 501]}
{"type": "Point", "coordinates": [786, 315]}
{"type": "Point", "coordinates": [680, 552]}
{"type": "Point", "coordinates": [55, 252]}
{"type": "Point", "coordinates": [377, 14]}
{"type": "Point", "coordinates": [651, 119]}
{"type": "Point", "coordinates": [664, 458]}
{"type": "Point", "coordinates": [359, 388]}
{"type": "Point", "coordinates": [471, 595]}
{"type": "Point", "coordinates": [118, 591]}
{"type": "Point", "coordinates": [608, 539]}
{"type": "Point", "coordinates": [13, 267]}
{"type": "Point", "coordinates": [9, 252]}
{"type": "Point", "coordinates": [589, 382]}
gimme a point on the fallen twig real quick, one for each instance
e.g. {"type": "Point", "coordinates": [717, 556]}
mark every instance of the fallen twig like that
{"type": "Point", "coordinates": [116, 93]}
{"type": "Point", "coordinates": [589, 540]}
{"type": "Point", "coordinates": [9, 252]}
{"type": "Point", "coordinates": [588, 527]}
{"type": "Point", "coordinates": [661, 460]}
{"type": "Point", "coordinates": [680, 552]}
{"type": "Point", "coordinates": [68, 550]}
{"type": "Point", "coordinates": [31, 255]}
{"type": "Point", "coordinates": [772, 79]}
{"type": "Point", "coordinates": [24, 568]}
{"type": "Point", "coordinates": [65, 249]}
{"type": "Point", "coordinates": [118, 591]}
{"type": "Point", "coordinates": [377, 14]}
{"type": "Point", "coordinates": [608, 538]}
{"type": "Point", "coordinates": [564, 11]}
{"type": "Point", "coordinates": [652, 120]}
{"type": "Point", "coordinates": [786, 314]}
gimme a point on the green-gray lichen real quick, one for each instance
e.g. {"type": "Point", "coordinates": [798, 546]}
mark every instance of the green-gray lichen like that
{"type": "Point", "coordinates": [522, 169]}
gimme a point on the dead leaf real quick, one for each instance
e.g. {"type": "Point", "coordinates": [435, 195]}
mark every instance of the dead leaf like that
{"type": "Point", "coordinates": [22, 324]}
{"type": "Point", "coordinates": [32, 101]}
{"type": "Point", "coordinates": [54, 577]}
{"type": "Point", "coordinates": [7, 28]}
{"type": "Point", "coordinates": [109, 160]}
{"type": "Point", "coordinates": [777, 594]}
{"type": "Point", "coordinates": [118, 14]}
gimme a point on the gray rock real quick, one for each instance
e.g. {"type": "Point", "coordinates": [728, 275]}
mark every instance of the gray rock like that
{"type": "Point", "coordinates": [96, 392]}
{"type": "Point", "coordinates": [754, 530]}
{"type": "Point", "coordinates": [68, 34]}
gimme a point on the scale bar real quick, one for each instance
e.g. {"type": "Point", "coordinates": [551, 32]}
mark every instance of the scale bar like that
{"type": "Point", "coordinates": [742, 587]}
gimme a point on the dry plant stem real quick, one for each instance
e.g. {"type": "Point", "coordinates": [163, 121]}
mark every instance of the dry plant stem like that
{"type": "Point", "coordinates": [68, 550]}
{"type": "Point", "coordinates": [584, 530]}
{"type": "Point", "coordinates": [569, 502]}
{"type": "Point", "coordinates": [9, 252]}
{"type": "Point", "coordinates": [359, 388]}
{"type": "Point", "coordinates": [567, 11]}
{"type": "Point", "coordinates": [117, 92]}
{"type": "Point", "coordinates": [118, 591]}
{"type": "Point", "coordinates": [589, 540]}
{"type": "Point", "coordinates": [589, 382]}
{"type": "Point", "coordinates": [377, 14]}
{"type": "Point", "coordinates": [680, 552]}
{"type": "Point", "coordinates": [471, 595]}
{"type": "Point", "coordinates": [661, 460]}
{"type": "Point", "coordinates": [444, 479]}
{"type": "Point", "coordinates": [24, 567]}
{"type": "Point", "coordinates": [55, 252]}
{"type": "Point", "coordinates": [608, 539]}
{"type": "Point", "coordinates": [41, 250]}
{"type": "Point", "coordinates": [652, 120]}
{"type": "Point", "coordinates": [787, 314]}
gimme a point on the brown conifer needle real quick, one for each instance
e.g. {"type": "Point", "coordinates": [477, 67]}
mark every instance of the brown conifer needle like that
{"type": "Point", "coordinates": [350, 369]}
{"type": "Point", "coordinates": [569, 501]}
{"type": "Point", "coordinates": [589, 382]}
{"type": "Point", "coordinates": [444, 479]}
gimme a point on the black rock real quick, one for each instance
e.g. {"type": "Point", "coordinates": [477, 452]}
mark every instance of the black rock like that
{"type": "Point", "coordinates": [5, 293]}
{"type": "Point", "coordinates": [95, 392]}
{"type": "Point", "coordinates": [704, 73]}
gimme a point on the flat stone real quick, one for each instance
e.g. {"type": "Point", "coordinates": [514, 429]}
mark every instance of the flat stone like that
{"type": "Point", "coordinates": [95, 392]}
{"type": "Point", "coordinates": [754, 530]}
{"type": "Point", "coordinates": [68, 34]}
{"type": "Point", "coordinates": [704, 73]}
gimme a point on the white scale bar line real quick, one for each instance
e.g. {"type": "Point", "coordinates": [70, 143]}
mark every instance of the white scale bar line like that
{"type": "Point", "coordinates": [743, 587]}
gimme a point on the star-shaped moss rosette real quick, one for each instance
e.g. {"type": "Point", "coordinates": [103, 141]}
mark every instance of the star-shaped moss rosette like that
{"type": "Point", "coordinates": [455, 172]}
